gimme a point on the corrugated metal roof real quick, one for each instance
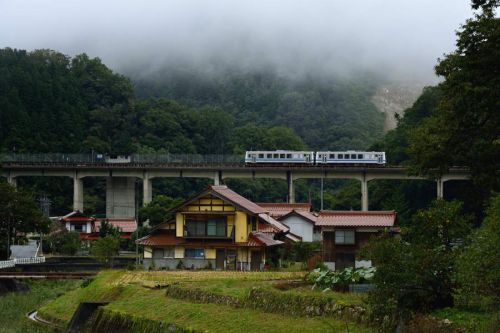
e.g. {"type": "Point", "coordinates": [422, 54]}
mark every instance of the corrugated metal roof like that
{"type": "Point", "coordinates": [125, 225]}
{"type": "Point", "coordinates": [277, 210]}
{"type": "Point", "coordinates": [356, 218]}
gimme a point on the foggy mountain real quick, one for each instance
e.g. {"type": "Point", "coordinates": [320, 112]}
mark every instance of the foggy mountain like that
{"type": "Point", "coordinates": [399, 40]}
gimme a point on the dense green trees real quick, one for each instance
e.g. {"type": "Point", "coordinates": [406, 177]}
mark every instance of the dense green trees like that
{"type": "Point", "coordinates": [415, 273]}
{"type": "Point", "coordinates": [19, 215]}
{"type": "Point", "coordinates": [465, 128]}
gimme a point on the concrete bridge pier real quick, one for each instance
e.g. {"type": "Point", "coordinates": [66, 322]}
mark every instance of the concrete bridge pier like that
{"type": "Point", "coordinates": [147, 187]}
{"type": "Point", "coordinates": [440, 188]}
{"type": "Point", "coordinates": [364, 194]}
{"type": "Point", "coordinates": [291, 189]}
{"type": "Point", "coordinates": [12, 180]}
{"type": "Point", "coordinates": [120, 197]}
{"type": "Point", "coordinates": [77, 193]}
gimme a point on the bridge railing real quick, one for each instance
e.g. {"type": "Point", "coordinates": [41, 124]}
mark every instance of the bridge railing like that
{"type": "Point", "coordinates": [190, 159]}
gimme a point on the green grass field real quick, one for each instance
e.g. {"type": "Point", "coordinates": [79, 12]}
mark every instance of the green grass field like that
{"type": "Point", "coordinates": [15, 306]}
{"type": "Point", "coordinates": [128, 294]}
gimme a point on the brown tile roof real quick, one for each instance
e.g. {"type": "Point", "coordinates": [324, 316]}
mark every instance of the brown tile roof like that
{"type": "Point", "coordinates": [160, 238]}
{"type": "Point", "coordinates": [277, 210]}
{"type": "Point", "coordinates": [263, 238]}
{"type": "Point", "coordinates": [76, 216]}
{"type": "Point", "coordinates": [125, 225]}
{"type": "Point", "coordinates": [228, 194]}
{"type": "Point", "coordinates": [309, 216]}
{"type": "Point", "coordinates": [356, 218]}
{"type": "Point", "coordinates": [276, 224]}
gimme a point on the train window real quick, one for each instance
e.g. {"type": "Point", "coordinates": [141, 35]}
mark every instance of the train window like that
{"type": "Point", "coordinates": [332, 156]}
{"type": "Point", "coordinates": [353, 156]}
{"type": "Point", "coordinates": [341, 156]}
{"type": "Point", "coordinates": [261, 155]}
{"type": "Point", "coordinates": [275, 155]}
{"type": "Point", "coordinates": [360, 156]}
{"type": "Point", "coordinates": [269, 155]}
{"type": "Point", "coordinates": [282, 155]}
{"type": "Point", "coordinates": [288, 155]}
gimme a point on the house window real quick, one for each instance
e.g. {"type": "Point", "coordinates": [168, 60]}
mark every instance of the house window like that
{"type": "Point", "coordinates": [167, 252]}
{"type": "Point", "coordinates": [195, 228]}
{"type": "Point", "coordinates": [215, 226]}
{"type": "Point", "coordinates": [194, 253]}
{"type": "Point", "coordinates": [344, 237]}
{"type": "Point", "coordinates": [79, 227]}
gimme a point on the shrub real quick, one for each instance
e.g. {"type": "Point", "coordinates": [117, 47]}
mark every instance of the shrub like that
{"type": "Point", "coordinates": [105, 249]}
{"type": "Point", "coordinates": [328, 279]}
{"type": "Point", "coordinates": [64, 242]}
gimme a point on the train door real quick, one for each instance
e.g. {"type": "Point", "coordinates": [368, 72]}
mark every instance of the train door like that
{"type": "Point", "coordinates": [308, 158]}
{"type": "Point", "coordinates": [324, 157]}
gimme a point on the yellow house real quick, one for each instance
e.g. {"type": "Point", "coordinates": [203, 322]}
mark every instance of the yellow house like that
{"type": "Point", "coordinates": [215, 229]}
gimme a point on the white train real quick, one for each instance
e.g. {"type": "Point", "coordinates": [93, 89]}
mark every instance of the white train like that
{"type": "Point", "coordinates": [315, 158]}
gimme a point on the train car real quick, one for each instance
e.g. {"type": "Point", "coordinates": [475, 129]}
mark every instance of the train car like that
{"type": "Point", "coordinates": [279, 157]}
{"type": "Point", "coordinates": [350, 157]}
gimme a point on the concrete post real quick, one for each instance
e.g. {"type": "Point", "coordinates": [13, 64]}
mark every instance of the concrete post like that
{"type": "Point", "coordinates": [12, 181]}
{"type": "Point", "coordinates": [364, 195]}
{"type": "Point", "coordinates": [291, 190]}
{"type": "Point", "coordinates": [217, 178]}
{"type": "Point", "coordinates": [77, 193]}
{"type": "Point", "coordinates": [440, 188]}
{"type": "Point", "coordinates": [147, 188]}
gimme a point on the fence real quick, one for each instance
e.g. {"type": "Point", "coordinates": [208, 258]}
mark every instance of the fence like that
{"type": "Point", "coordinates": [21, 261]}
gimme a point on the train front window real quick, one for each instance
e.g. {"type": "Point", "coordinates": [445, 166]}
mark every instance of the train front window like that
{"type": "Point", "coordinates": [261, 155]}
{"type": "Point", "coordinates": [360, 156]}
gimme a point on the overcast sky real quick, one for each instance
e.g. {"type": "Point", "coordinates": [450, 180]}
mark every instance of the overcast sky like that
{"type": "Point", "coordinates": [401, 38]}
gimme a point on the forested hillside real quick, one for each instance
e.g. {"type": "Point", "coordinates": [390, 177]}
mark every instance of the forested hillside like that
{"type": "Point", "coordinates": [333, 113]}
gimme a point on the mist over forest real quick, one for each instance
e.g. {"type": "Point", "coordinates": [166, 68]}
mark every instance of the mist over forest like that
{"type": "Point", "coordinates": [397, 40]}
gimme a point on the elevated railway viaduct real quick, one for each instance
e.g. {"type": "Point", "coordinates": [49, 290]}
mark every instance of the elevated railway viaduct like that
{"type": "Point", "coordinates": [120, 177]}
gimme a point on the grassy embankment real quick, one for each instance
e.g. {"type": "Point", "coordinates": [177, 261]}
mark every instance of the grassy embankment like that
{"type": "Point", "coordinates": [15, 306]}
{"type": "Point", "coordinates": [130, 294]}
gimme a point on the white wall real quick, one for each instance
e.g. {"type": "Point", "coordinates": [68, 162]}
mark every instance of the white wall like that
{"type": "Point", "coordinates": [300, 227]}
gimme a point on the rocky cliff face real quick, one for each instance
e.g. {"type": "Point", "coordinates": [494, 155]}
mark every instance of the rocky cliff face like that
{"type": "Point", "coordinates": [393, 99]}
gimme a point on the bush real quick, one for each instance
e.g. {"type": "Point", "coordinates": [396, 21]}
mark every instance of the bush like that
{"type": "Point", "coordinates": [64, 242]}
{"type": "Point", "coordinates": [478, 267]}
{"type": "Point", "coordinates": [105, 249]}
{"type": "Point", "coordinates": [328, 279]}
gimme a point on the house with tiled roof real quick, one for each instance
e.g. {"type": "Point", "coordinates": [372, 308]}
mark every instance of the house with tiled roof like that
{"type": "Point", "coordinates": [344, 232]}
{"type": "Point", "coordinates": [303, 224]}
{"type": "Point", "coordinates": [89, 226]}
{"type": "Point", "coordinates": [217, 228]}
{"type": "Point", "coordinates": [277, 210]}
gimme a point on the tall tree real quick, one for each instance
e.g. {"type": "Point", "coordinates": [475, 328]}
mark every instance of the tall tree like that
{"type": "Point", "coordinates": [466, 128]}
